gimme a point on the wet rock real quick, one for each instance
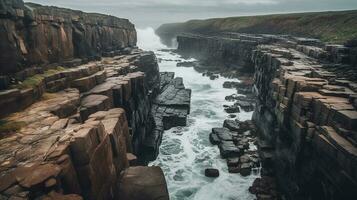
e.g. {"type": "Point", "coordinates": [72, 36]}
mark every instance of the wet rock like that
{"type": "Point", "coordinates": [245, 169]}
{"type": "Point", "coordinates": [232, 125]}
{"type": "Point", "coordinates": [228, 149]}
{"type": "Point", "coordinates": [187, 64]}
{"type": "Point", "coordinates": [213, 138]}
{"type": "Point", "coordinates": [170, 109]}
{"type": "Point", "coordinates": [234, 169]}
{"type": "Point", "coordinates": [223, 134]}
{"type": "Point", "coordinates": [232, 109]}
{"type": "Point", "coordinates": [265, 188]}
{"type": "Point", "coordinates": [229, 84]}
{"type": "Point", "coordinates": [212, 172]}
{"type": "Point", "coordinates": [213, 77]}
{"type": "Point", "coordinates": [233, 162]}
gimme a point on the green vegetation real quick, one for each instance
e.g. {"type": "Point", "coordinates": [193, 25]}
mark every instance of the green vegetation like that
{"type": "Point", "coordinates": [37, 79]}
{"type": "Point", "coordinates": [335, 27]}
{"type": "Point", "coordinates": [8, 127]}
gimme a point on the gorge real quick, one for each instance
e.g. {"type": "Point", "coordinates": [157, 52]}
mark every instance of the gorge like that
{"type": "Point", "coordinates": [93, 108]}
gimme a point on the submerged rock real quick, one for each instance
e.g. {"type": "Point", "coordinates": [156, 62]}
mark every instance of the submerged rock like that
{"type": "Point", "coordinates": [187, 64]}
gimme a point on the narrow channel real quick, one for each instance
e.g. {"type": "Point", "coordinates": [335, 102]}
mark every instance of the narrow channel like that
{"type": "Point", "coordinates": [186, 152]}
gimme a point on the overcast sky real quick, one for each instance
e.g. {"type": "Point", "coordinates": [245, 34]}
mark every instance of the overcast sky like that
{"type": "Point", "coordinates": [145, 13]}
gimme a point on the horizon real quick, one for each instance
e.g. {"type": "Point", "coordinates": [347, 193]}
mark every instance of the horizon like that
{"type": "Point", "coordinates": [145, 13]}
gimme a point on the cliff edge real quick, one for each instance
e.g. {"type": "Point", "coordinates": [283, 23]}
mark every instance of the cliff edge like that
{"type": "Point", "coordinates": [33, 35]}
{"type": "Point", "coordinates": [337, 26]}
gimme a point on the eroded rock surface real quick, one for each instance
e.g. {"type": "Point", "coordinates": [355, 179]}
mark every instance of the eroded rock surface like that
{"type": "Point", "coordinates": [82, 136]}
{"type": "Point", "coordinates": [305, 109]}
{"type": "Point", "coordinates": [34, 35]}
{"type": "Point", "coordinates": [169, 109]}
{"type": "Point", "coordinates": [306, 113]}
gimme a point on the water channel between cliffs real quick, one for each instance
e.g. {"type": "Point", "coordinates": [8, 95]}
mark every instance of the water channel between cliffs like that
{"type": "Point", "coordinates": [186, 152]}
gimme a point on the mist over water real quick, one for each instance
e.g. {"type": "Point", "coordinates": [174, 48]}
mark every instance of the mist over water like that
{"type": "Point", "coordinates": [186, 152]}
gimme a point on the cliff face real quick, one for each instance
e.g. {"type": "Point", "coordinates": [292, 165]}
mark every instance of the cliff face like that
{"type": "Point", "coordinates": [80, 107]}
{"type": "Point", "coordinates": [83, 140]}
{"type": "Point", "coordinates": [34, 35]}
{"type": "Point", "coordinates": [231, 52]}
{"type": "Point", "coordinates": [306, 107]}
{"type": "Point", "coordinates": [306, 117]}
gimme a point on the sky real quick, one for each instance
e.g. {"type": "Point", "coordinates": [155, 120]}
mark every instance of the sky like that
{"type": "Point", "coordinates": [152, 13]}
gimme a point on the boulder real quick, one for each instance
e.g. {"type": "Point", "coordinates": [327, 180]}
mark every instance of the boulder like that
{"type": "Point", "coordinates": [232, 125]}
{"type": "Point", "coordinates": [245, 169]}
{"type": "Point", "coordinates": [213, 138]}
{"type": "Point", "coordinates": [232, 109]}
{"type": "Point", "coordinates": [142, 183]}
{"type": "Point", "coordinates": [223, 134]}
{"type": "Point", "coordinates": [210, 172]}
{"type": "Point", "coordinates": [228, 149]}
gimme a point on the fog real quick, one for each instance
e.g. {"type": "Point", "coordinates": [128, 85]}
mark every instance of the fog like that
{"type": "Point", "coordinates": [152, 13]}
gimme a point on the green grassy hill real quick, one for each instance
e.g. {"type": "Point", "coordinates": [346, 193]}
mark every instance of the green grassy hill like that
{"type": "Point", "coordinates": [335, 26]}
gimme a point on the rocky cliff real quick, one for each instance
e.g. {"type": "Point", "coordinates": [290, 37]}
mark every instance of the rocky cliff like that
{"type": "Point", "coordinates": [34, 35]}
{"type": "Point", "coordinates": [305, 113]}
{"type": "Point", "coordinates": [81, 107]}
{"type": "Point", "coordinates": [232, 52]}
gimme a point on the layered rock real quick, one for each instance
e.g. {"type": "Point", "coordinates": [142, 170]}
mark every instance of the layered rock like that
{"type": "Point", "coordinates": [305, 113]}
{"type": "Point", "coordinates": [169, 109]}
{"type": "Point", "coordinates": [234, 141]}
{"type": "Point", "coordinates": [84, 134]}
{"type": "Point", "coordinates": [231, 52]}
{"type": "Point", "coordinates": [34, 35]}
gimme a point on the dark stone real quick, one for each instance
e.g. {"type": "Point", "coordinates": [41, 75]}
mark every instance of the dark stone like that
{"type": "Point", "coordinates": [223, 134]}
{"type": "Point", "coordinates": [232, 125]}
{"type": "Point", "coordinates": [232, 109]}
{"type": "Point", "coordinates": [4, 82]}
{"type": "Point", "coordinates": [233, 170]}
{"type": "Point", "coordinates": [245, 169]}
{"type": "Point", "coordinates": [213, 77]}
{"type": "Point", "coordinates": [232, 162]}
{"type": "Point", "coordinates": [213, 138]}
{"type": "Point", "coordinates": [228, 149]}
{"type": "Point", "coordinates": [186, 64]}
{"type": "Point", "coordinates": [212, 173]}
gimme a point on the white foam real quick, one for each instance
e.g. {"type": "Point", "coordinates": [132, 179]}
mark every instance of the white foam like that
{"type": "Point", "coordinates": [186, 152]}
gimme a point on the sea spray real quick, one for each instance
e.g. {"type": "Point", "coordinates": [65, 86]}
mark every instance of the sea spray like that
{"type": "Point", "coordinates": [186, 151]}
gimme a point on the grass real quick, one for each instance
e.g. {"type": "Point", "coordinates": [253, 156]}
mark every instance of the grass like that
{"type": "Point", "coordinates": [37, 79]}
{"type": "Point", "coordinates": [334, 27]}
{"type": "Point", "coordinates": [8, 127]}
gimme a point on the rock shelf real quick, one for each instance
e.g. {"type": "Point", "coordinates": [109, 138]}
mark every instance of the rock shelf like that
{"type": "Point", "coordinates": [82, 136]}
